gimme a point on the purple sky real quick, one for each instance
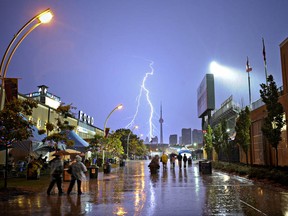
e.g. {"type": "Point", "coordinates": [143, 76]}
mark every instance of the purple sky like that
{"type": "Point", "coordinates": [95, 54]}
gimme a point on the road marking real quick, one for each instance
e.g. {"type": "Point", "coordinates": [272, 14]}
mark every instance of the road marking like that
{"type": "Point", "coordinates": [253, 207]}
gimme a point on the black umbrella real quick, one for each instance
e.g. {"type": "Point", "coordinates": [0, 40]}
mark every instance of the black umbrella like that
{"type": "Point", "coordinates": [173, 154]}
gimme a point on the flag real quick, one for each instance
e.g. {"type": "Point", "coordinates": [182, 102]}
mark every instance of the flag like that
{"type": "Point", "coordinates": [11, 88]}
{"type": "Point", "coordinates": [248, 68]}
{"type": "Point", "coordinates": [106, 132]}
{"type": "Point", "coordinates": [264, 52]}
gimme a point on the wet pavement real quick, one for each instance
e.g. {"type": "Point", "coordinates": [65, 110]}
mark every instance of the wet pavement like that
{"type": "Point", "coordinates": [132, 190]}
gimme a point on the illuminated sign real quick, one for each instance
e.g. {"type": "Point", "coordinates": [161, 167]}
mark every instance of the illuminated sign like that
{"type": "Point", "coordinates": [85, 118]}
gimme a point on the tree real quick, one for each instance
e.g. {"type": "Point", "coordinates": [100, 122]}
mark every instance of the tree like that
{"type": "Point", "coordinates": [13, 125]}
{"type": "Point", "coordinates": [242, 129]}
{"type": "Point", "coordinates": [273, 122]}
{"type": "Point", "coordinates": [62, 126]}
{"type": "Point", "coordinates": [115, 146]}
{"type": "Point", "coordinates": [225, 139]}
{"type": "Point", "coordinates": [112, 145]}
{"type": "Point", "coordinates": [95, 145]}
{"type": "Point", "coordinates": [136, 145]}
{"type": "Point", "coordinates": [217, 138]}
{"type": "Point", "coordinates": [208, 140]}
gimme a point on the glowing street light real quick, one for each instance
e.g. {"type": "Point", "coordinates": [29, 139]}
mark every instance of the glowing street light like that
{"type": "Point", "coordinates": [43, 17]}
{"type": "Point", "coordinates": [135, 127]}
{"type": "Point", "coordinates": [118, 107]}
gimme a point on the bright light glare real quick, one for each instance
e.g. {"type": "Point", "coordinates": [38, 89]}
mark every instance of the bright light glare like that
{"type": "Point", "coordinates": [46, 17]}
{"type": "Point", "coordinates": [119, 106]}
{"type": "Point", "coordinates": [230, 81]}
{"type": "Point", "coordinates": [219, 70]}
{"type": "Point", "coordinates": [224, 73]}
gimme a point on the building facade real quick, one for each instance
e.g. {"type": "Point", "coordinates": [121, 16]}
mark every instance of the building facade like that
{"type": "Point", "coordinates": [173, 139]}
{"type": "Point", "coordinates": [261, 152]}
{"type": "Point", "coordinates": [186, 136]}
{"type": "Point", "coordinates": [197, 136]}
{"type": "Point", "coordinates": [46, 112]}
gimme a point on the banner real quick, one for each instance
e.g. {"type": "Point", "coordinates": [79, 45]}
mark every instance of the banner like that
{"type": "Point", "coordinates": [11, 88]}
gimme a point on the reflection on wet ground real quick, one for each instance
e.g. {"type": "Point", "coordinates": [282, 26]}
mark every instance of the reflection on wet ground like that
{"type": "Point", "coordinates": [132, 190]}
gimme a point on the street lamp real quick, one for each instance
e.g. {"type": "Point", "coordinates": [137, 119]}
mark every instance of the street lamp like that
{"type": "Point", "coordinates": [118, 107]}
{"type": "Point", "coordinates": [135, 127]}
{"type": "Point", "coordinates": [43, 17]}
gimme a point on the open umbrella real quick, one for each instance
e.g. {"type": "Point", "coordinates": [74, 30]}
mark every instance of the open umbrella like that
{"type": "Point", "coordinates": [173, 154]}
{"type": "Point", "coordinates": [61, 152]}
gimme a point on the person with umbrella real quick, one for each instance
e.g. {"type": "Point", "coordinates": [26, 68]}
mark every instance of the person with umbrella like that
{"type": "Point", "coordinates": [173, 159]}
{"type": "Point", "coordinates": [78, 170]}
{"type": "Point", "coordinates": [56, 172]}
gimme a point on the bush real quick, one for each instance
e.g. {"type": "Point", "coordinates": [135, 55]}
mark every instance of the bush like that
{"type": "Point", "coordinates": [276, 175]}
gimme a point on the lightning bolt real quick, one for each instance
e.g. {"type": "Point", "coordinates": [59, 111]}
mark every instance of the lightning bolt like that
{"type": "Point", "coordinates": [144, 89]}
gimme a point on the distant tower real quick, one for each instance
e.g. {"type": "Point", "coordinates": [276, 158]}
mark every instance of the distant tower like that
{"type": "Point", "coordinates": [161, 125]}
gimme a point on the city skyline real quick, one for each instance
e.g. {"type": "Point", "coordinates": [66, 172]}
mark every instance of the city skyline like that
{"type": "Point", "coordinates": [95, 55]}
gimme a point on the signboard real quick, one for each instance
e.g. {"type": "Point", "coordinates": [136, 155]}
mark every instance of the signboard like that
{"type": "Point", "coordinates": [206, 95]}
{"type": "Point", "coordinates": [85, 118]}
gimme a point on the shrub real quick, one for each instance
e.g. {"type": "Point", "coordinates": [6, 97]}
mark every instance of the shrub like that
{"type": "Point", "coordinates": [277, 175]}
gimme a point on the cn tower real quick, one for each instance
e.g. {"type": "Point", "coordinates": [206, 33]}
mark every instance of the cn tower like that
{"type": "Point", "coordinates": [161, 125]}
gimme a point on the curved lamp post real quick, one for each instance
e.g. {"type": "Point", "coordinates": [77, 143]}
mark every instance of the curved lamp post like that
{"type": "Point", "coordinates": [118, 107]}
{"type": "Point", "coordinates": [135, 127]}
{"type": "Point", "coordinates": [43, 17]}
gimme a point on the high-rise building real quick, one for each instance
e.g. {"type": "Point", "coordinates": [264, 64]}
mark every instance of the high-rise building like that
{"type": "Point", "coordinates": [197, 136]}
{"type": "Point", "coordinates": [154, 140]}
{"type": "Point", "coordinates": [173, 139]}
{"type": "Point", "coordinates": [186, 136]}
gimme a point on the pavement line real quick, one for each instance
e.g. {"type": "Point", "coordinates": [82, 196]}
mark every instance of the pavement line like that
{"type": "Point", "coordinates": [252, 207]}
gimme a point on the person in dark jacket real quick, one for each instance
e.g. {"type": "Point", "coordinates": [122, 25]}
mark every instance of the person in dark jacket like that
{"type": "Point", "coordinates": [56, 172]}
{"type": "Point", "coordinates": [185, 160]}
{"type": "Point", "coordinates": [179, 157]}
{"type": "Point", "coordinates": [154, 164]}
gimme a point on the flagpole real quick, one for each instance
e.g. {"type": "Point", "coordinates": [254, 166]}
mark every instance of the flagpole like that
{"type": "Point", "coordinates": [265, 63]}
{"type": "Point", "coordinates": [250, 100]}
{"type": "Point", "coordinates": [248, 69]}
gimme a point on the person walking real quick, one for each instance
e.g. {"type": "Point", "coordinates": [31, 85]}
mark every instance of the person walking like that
{"type": "Point", "coordinates": [56, 166]}
{"type": "Point", "coordinates": [179, 157]}
{"type": "Point", "coordinates": [185, 160]}
{"type": "Point", "coordinates": [78, 170]}
{"type": "Point", "coordinates": [154, 165]}
{"type": "Point", "coordinates": [173, 159]}
{"type": "Point", "coordinates": [164, 159]}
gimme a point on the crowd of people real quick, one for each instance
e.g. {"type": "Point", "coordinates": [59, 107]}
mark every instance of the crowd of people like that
{"type": "Point", "coordinates": [156, 160]}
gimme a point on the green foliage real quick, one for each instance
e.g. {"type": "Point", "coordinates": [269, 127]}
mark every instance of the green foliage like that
{"type": "Point", "coordinates": [113, 146]}
{"type": "Point", "coordinates": [95, 145]}
{"type": "Point", "coordinates": [273, 122]}
{"type": "Point", "coordinates": [62, 126]}
{"type": "Point", "coordinates": [217, 138]}
{"type": "Point", "coordinates": [13, 125]}
{"type": "Point", "coordinates": [136, 145]}
{"type": "Point", "coordinates": [208, 140]}
{"type": "Point", "coordinates": [225, 139]}
{"type": "Point", "coordinates": [243, 131]}
{"type": "Point", "coordinates": [276, 175]}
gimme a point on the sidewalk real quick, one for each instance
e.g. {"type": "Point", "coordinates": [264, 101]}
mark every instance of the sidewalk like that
{"type": "Point", "coordinates": [132, 190]}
